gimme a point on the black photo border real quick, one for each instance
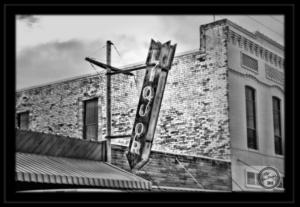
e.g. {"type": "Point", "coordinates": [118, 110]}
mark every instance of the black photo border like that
{"type": "Point", "coordinates": [9, 81]}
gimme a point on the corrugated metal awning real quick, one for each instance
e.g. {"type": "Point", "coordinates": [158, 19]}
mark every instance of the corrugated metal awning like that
{"type": "Point", "coordinates": [60, 170]}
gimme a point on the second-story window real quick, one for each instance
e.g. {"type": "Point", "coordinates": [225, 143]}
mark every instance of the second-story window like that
{"type": "Point", "coordinates": [277, 125]}
{"type": "Point", "coordinates": [249, 62]}
{"type": "Point", "coordinates": [251, 118]}
{"type": "Point", "coordinates": [23, 120]}
{"type": "Point", "coordinates": [91, 119]}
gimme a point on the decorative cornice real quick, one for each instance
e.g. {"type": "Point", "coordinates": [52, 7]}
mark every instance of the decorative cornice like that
{"type": "Point", "coordinates": [255, 49]}
{"type": "Point", "coordinates": [264, 37]}
{"type": "Point", "coordinates": [256, 79]}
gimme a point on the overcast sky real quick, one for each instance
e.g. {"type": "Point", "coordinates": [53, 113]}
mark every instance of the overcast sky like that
{"type": "Point", "coordinates": [51, 48]}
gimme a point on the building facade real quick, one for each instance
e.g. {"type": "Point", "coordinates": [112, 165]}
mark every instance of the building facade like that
{"type": "Point", "coordinates": [205, 119]}
{"type": "Point", "coordinates": [256, 102]}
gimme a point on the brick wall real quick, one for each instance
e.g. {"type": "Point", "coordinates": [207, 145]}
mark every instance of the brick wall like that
{"type": "Point", "coordinates": [163, 170]}
{"type": "Point", "coordinates": [194, 114]}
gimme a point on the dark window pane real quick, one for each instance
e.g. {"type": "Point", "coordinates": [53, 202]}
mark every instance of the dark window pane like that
{"type": "Point", "coordinates": [277, 125]}
{"type": "Point", "coordinates": [91, 119]}
{"type": "Point", "coordinates": [278, 145]}
{"type": "Point", "coordinates": [91, 132]}
{"type": "Point", "coordinates": [251, 118]}
{"type": "Point", "coordinates": [23, 120]}
{"type": "Point", "coordinates": [250, 108]}
{"type": "Point", "coordinates": [277, 131]}
{"type": "Point", "coordinates": [276, 104]}
{"type": "Point", "coordinates": [249, 62]}
{"type": "Point", "coordinates": [249, 94]}
{"type": "Point", "coordinates": [276, 118]}
{"type": "Point", "coordinates": [250, 178]}
{"type": "Point", "coordinates": [251, 134]}
{"type": "Point", "coordinates": [250, 122]}
{"type": "Point", "coordinates": [91, 112]}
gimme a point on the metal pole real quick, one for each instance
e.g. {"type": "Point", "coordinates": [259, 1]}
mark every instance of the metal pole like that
{"type": "Point", "coordinates": [132, 69]}
{"type": "Point", "coordinates": [105, 66]}
{"type": "Point", "coordinates": [108, 100]}
{"type": "Point", "coordinates": [119, 136]}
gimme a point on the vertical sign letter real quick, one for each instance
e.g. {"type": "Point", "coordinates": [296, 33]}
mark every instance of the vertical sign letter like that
{"type": "Point", "coordinates": [159, 61]}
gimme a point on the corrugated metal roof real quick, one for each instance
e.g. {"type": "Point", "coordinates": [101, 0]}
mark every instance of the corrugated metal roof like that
{"type": "Point", "coordinates": [59, 146]}
{"type": "Point", "coordinates": [61, 170]}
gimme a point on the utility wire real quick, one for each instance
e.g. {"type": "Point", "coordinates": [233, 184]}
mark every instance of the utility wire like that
{"type": "Point", "coordinates": [119, 54]}
{"type": "Point", "coordinates": [121, 60]}
{"type": "Point", "coordinates": [261, 24]}
{"type": "Point", "coordinates": [116, 50]}
{"type": "Point", "coordinates": [154, 182]}
{"type": "Point", "coordinates": [201, 186]}
{"type": "Point", "coordinates": [265, 25]}
{"type": "Point", "coordinates": [236, 183]}
{"type": "Point", "coordinates": [97, 49]}
{"type": "Point", "coordinates": [247, 164]}
{"type": "Point", "coordinates": [95, 69]}
{"type": "Point", "coordinates": [276, 20]}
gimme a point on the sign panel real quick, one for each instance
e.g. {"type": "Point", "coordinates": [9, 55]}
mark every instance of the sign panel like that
{"type": "Point", "coordinates": [149, 103]}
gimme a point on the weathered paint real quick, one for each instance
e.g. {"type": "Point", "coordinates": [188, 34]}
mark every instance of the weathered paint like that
{"type": "Point", "coordinates": [150, 102]}
{"type": "Point", "coordinates": [193, 119]}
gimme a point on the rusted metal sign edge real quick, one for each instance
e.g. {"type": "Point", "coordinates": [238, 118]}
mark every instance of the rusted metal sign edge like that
{"type": "Point", "coordinates": [150, 101]}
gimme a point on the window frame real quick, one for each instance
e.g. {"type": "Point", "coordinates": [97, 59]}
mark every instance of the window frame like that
{"type": "Point", "coordinates": [280, 125]}
{"type": "Point", "coordinates": [19, 114]}
{"type": "Point", "coordinates": [84, 118]}
{"type": "Point", "coordinates": [247, 67]}
{"type": "Point", "coordinates": [255, 179]}
{"type": "Point", "coordinates": [254, 118]}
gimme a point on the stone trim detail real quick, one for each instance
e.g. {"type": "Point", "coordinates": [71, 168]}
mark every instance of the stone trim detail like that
{"type": "Point", "coordinates": [255, 49]}
{"type": "Point", "coordinates": [250, 76]}
{"type": "Point", "coordinates": [274, 75]}
{"type": "Point", "coordinates": [243, 65]}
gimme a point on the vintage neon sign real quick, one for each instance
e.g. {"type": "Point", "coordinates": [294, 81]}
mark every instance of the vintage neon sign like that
{"type": "Point", "coordinates": [149, 104]}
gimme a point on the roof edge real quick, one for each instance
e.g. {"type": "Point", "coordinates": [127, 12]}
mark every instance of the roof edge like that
{"type": "Point", "coordinates": [254, 35]}
{"type": "Point", "coordinates": [128, 66]}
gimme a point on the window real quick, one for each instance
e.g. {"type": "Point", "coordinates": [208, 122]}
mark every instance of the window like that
{"type": "Point", "coordinates": [274, 75]}
{"type": "Point", "coordinates": [23, 120]}
{"type": "Point", "coordinates": [249, 62]}
{"type": "Point", "coordinates": [277, 125]}
{"type": "Point", "coordinates": [251, 118]}
{"type": "Point", "coordinates": [251, 178]}
{"type": "Point", "coordinates": [91, 119]}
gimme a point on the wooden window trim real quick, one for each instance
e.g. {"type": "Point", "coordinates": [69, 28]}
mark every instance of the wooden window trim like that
{"type": "Point", "coordinates": [277, 112]}
{"type": "Point", "coordinates": [19, 114]}
{"type": "Point", "coordinates": [84, 118]}
{"type": "Point", "coordinates": [254, 117]}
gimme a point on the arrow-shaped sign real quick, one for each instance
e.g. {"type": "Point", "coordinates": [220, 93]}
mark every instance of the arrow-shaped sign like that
{"type": "Point", "coordinates": [150, 101]}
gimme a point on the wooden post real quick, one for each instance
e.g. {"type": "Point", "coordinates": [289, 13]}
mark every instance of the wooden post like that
{"type": "Point", "coordinates": [108, 100]}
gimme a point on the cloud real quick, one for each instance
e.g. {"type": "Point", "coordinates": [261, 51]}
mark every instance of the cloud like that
{"type": "Point", "coordinates": [29, 19]}
{"type": "Point", "coordinates": [184, 30]}
{"type": "Point", "coordinates": [54, 61]}
{"type": "Point", "coordinates": [57, 60]}
{"type": "Point", "coordinates": [56, 47]}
